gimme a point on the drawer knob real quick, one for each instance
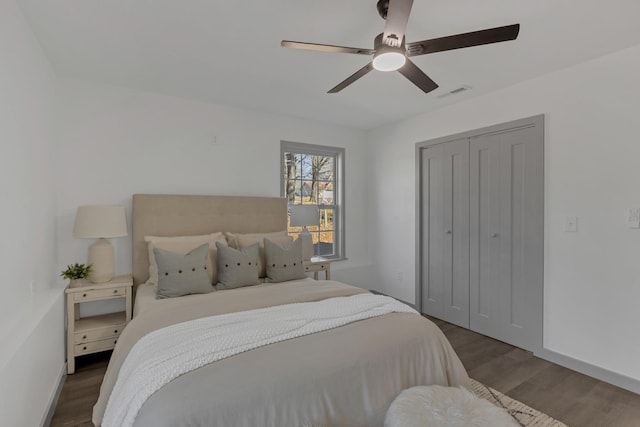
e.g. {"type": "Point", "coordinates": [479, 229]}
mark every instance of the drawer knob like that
{"type": "Point", "coordinates": [115, 291]}
{"type": "Point", "coordinates": [115, 332]}
{"type": "Point", "coordinates": [115, 341]}
{"type": "Point", "coordinates": [84, 348]}
{"type": "Point", "coordinates": [84, 295]}
{"type": "Point", "coordinates": [84, 337]}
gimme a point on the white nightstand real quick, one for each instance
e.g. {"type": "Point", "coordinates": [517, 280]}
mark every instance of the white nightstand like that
{"type": "Point", "coordinates": [92, 334]}
{"type": "Point", "coordinates": [317, 264]}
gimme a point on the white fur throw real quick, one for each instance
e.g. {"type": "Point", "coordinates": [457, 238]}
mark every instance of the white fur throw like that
{"type": "Point", "coordinates": [438, 406]}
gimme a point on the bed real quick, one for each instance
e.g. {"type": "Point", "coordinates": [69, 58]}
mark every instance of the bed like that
{"type": "Point", "coordinates": [346, 375]}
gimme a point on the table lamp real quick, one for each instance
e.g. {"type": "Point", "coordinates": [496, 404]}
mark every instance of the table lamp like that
{"type": "Point", "coordinates": [100, 222]}
{"type": "Point", "coordinates": [301, 216]}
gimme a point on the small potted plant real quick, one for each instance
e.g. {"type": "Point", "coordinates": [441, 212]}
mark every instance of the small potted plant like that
{"type": "Point", "coordinates": [76, 273]}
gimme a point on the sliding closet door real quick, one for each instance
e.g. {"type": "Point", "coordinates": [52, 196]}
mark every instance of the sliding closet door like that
{"type": "Point", "coordinates": [506, 235]}
{"type": "Point", "coordinates": [445, 234]}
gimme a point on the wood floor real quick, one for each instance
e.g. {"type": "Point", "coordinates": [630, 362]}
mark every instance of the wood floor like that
{"type": "Point", "coordinates": [80, 391]}
{"type": "Point", "coordinates": [573, 398]}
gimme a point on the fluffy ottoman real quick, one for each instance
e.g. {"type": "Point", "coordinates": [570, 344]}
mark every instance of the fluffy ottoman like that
{"type": "Point", "coordinates": [438, 406]}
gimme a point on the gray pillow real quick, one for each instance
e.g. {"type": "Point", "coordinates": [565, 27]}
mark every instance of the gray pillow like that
{"type": "Point", "coordinates": [237, 267]}
{"type": "Point", "coordinates": [283, 263]}
{"type": "Point", "coordinates": [180, 275]}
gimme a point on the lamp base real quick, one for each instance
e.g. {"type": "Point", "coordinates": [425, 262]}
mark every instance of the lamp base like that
{"type": "Point", "coordinates": [307, 244]}
{"type": "Point", "coordinates": [102, 261]}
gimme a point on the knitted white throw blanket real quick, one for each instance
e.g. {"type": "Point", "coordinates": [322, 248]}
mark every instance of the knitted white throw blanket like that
{"type": "Point", "coordinates": [167, 353]}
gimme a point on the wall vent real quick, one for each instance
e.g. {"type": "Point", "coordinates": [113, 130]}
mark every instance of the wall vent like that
{"type": "Point", "coordinates": [454, 91]}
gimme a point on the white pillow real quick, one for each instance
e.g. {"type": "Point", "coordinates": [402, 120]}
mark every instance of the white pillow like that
{"type": "Point", "coordinates": [183, 245]}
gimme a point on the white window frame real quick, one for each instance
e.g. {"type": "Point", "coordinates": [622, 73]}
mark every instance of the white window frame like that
{"type": "Point", "coordinates": [338, 197]}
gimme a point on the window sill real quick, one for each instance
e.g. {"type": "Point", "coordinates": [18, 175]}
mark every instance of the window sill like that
{"type": "Point", "coordinates": [334, 258]}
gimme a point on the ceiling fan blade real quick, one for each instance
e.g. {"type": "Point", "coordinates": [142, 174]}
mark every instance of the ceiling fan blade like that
{"type": "Point", "coordinates": [325, 47]}
{"type": "Point", "coordinates": [417, 77]}
{"type": "Point", "coordinates": [475, 38]}
{"type": "Point", "coordinates": [396, 25]}
{"type": "Point", "coordinates": [352, 78]}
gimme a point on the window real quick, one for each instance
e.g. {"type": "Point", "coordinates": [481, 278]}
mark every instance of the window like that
{"type": "Point", "coordinates": [314, 175]}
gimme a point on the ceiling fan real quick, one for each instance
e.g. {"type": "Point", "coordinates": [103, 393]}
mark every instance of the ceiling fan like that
{"type": "Point", "coordinates": [391, 52]}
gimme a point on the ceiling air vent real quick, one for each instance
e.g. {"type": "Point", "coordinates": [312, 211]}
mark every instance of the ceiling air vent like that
{"type": "Point", "coordinates": [454, 91]}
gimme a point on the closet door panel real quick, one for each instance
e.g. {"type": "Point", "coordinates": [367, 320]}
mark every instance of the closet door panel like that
{"type": "Point", "coordinates": [484, 238]}
{"type": "Point", "coordinates": [432, 231]}
{"type": "Point", "coordinates": [456, 237]}
{"type": "Point", "coordinates": [445, 231]}
{"type": "Point", "coordinates": [506, 236]}
{"type": "Point", "coordinates": [521, 211]}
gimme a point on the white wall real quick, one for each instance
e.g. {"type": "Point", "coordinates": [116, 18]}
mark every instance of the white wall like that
{"type": "Point", "coordinates": [115, 142]}
{"type": "Point", "coordinates": [592, 162]}
{"type": "Point", "coordinates": [29, 365]}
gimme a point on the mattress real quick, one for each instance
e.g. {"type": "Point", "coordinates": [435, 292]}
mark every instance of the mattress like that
{"type": "Point", "coordinates": [347, 376]}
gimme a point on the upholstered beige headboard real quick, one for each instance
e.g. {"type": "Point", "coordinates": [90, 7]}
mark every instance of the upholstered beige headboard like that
{"type": "Point", "coordinates": [183, 215]}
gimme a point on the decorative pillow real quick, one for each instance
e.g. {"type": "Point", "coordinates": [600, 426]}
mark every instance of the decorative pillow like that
{"type": "Point", "coordinates": [240, 241]}
{"type": "Point", "coordinates": [180, 274]}
{"type": "Point", "coordinates": [182, 245]}
{"type": "Point", "coordinates": [232, 238]}
{"type": "Point", "coordinates": [237, 267]}
{"type": "Point", "coordinates": [283, 263]}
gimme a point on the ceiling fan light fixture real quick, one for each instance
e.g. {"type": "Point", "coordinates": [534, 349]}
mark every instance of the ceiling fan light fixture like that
{"type": "Point", "coordinates": [389, 59]}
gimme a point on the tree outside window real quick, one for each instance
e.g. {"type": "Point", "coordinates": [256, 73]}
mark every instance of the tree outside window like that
{"type": "Point", "coordinates": [311, 175]}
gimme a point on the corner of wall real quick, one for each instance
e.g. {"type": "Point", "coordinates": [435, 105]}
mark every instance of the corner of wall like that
{"type": "Point", "coordinates": [31, 374]}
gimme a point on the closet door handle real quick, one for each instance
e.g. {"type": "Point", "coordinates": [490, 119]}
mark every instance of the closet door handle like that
{"type": "Point", "coordinates": [494, 235]}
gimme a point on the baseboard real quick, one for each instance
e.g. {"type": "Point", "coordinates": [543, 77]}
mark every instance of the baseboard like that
{"type": "Point", "coordinates": [53, 400]}
{"type": "Point", "coordinates": [596, 372]}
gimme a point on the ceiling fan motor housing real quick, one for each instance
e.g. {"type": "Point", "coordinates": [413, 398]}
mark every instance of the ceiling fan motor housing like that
{"type": "Point", "coordinates": [383, 8]}
{"type": "Point", "coordinates": [378, 43]}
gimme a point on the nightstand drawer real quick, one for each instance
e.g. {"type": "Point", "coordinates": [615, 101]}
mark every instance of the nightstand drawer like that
{"type": "Point", "coordinates": [93, 347]}
{"type": "Point", "coordinates": [316, 267]}
{"type": "Point", "coordinates": [98, 294]}
{"type": "Point", "coordinates": [98, 334]}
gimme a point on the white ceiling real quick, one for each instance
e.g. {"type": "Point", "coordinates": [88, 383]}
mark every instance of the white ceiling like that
{"type": "Point", "coordinates": [228, 52]}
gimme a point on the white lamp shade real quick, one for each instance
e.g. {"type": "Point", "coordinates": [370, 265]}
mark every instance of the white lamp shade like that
{"type": "Point", "coordinates": [100, 222]}
{"type": "Point", "coordinates": [94, 222]}
{"type": "Point", "coordinates": [303, 215]}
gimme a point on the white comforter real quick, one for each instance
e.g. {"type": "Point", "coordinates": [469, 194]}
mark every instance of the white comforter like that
{"type": "Point", "coordinates": [164, 354]}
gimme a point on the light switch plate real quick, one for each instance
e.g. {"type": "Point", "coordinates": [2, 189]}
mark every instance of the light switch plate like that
{"type": "Point", "coordinates": [571, 224]}
{"type": "Point", "coordinates": [633, 217]}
